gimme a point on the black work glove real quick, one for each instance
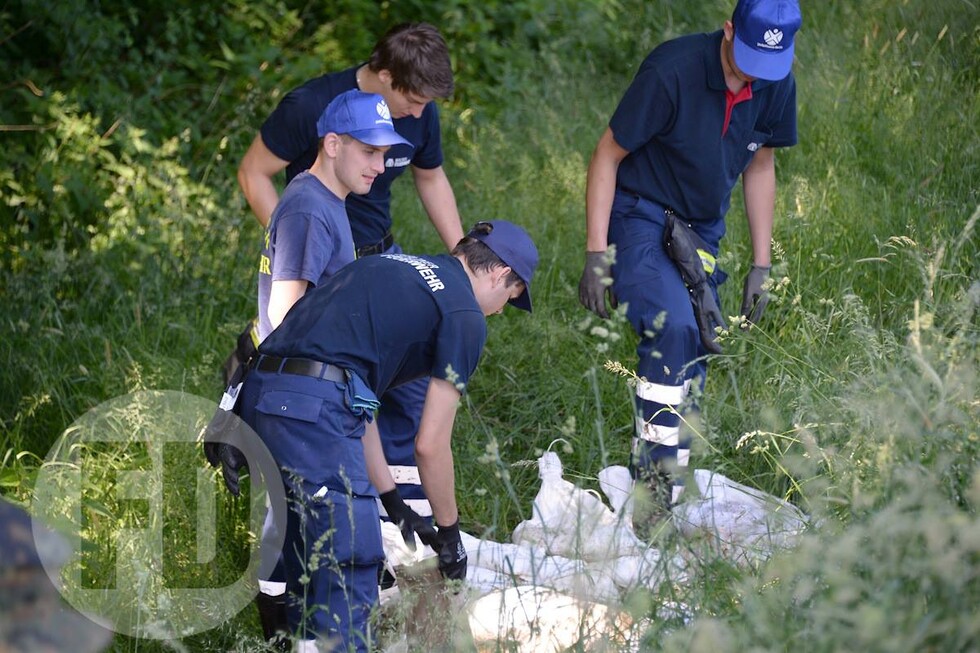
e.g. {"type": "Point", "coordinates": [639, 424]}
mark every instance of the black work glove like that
{"type": "Point", "coordinates": [708, 316]}
{"type": "Point", "coordinates": [229, 457]}
{"type": "Point", "coordinates": [409, 521]}
{"type": "Point", "coordinates": [595, 283]}
{"type": "Point", "coordinates": [452, 555]}
{"type": "Point", "coordinates": [754, 298]}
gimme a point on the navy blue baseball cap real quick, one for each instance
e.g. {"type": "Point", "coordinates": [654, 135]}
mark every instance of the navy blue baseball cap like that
{"type": "Point", "coordinates": [364, 116]}
{"type": "Point", "coordinates": [513, 246]}
{"type": "Point", "coordinates": [764, 33]}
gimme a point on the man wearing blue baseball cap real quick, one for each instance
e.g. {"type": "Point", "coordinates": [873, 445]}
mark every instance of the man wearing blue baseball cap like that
{"type": "Point", "coordinates": [309, 236]}
{"type": "Point", "coordinates": [308, 240]}
{"type": "Point", "coordinates": [310, 394]}
{"type": "Point", "coordinates": [702, 111]}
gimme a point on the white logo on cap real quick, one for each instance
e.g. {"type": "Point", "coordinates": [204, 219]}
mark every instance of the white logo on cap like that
{"type": "Point", "coordinates": [383, 109]}
{"type": "Point", "coordinates": [773, 36]}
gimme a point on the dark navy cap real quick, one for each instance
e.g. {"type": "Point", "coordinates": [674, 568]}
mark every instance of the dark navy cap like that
{"type": "Point", "coordinates": [764, 34]}
{"type": "Point", "coordinates": [514, 247]}
{"type": "Point", "coordinates": [364, 116]}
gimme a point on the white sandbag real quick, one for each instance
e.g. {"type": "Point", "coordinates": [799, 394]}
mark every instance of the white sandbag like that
{"type": "Point", "coordinates": [528, 619]}
{"type": "Point", "coordinates": [616, 483]}
{"type": "Point", "coordinates": [747, 525]}
{"type": "Point", "coordinates": [513, 564]}
{"type": "Point", "coordinates": [571, 522]}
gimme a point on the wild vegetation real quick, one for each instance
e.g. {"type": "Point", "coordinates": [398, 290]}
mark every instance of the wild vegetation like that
{"type": "Point", "coordinates": [127, 259]}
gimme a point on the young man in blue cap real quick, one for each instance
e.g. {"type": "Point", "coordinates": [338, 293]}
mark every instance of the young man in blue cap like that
{"type": "Point", "coordinates": [309, 239]}
{"type": "Point", "coordinates": [702, 110]}
{"type": "Point", "coordinates": [379, 322]}
{"type": "Point", "coordinates": [410, 67]}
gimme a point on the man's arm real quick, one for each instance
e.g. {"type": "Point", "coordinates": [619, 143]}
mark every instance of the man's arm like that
{"type": "Point", "coordinates": [374, 458]}
{"type": "Point", "coordinates": [439, 201]}
{"type": "Point", "coordinates": [600, 187]}
{"type": "Point", "coordinates": [255, 174]}
{"type": "Point", "coordinates": [283, 295]}
{"type": "Point", "coordinates": [433, 452]}
{"type": "Point", "coordinates": [759, 188]}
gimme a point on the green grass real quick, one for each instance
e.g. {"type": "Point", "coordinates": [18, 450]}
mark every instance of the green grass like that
{"type": "Point", "coordinates": [856, 394]}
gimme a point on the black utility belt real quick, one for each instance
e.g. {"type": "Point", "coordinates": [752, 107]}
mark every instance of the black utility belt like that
{"type": "Point", "coordinates": [300, 367]}
{"type": "Point", "coordinates": [382, 246]}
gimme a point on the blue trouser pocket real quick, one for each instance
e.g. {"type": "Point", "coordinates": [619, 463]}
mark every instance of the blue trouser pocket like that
{"type": "Point", "coordinates": [331, 554]}
{"type": "Point", "coordinates": [311, 433]}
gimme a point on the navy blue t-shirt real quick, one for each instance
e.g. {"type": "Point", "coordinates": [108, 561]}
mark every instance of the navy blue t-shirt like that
{"type": "Point", "coordinates": [671, 119]}
{"type": "Point", "coordinates": [308, 238]}
{"type": "Point", "coordinates": [391, 319]}
{"type": "Point", "coordinates": [290, 133]}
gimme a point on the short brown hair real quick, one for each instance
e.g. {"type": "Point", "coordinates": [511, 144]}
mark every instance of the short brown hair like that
{"type": "Point", "coordinates": [418, 59]}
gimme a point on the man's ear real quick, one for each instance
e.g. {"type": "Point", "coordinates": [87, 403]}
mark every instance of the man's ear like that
{"type": "Point", "coordinates": [729, 30]}
{"type": "Point", "coordinates": [331, 144]}
{"type": "Point", "coordinates": [500, 274]}
{"type": "Point", "coordinates": [385, 76]}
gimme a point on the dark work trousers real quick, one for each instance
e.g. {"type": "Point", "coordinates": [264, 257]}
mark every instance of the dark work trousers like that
{"type": "Point", "coordinates": [670, 352]}
{"type": "Point", "coordinates": [332, 546]}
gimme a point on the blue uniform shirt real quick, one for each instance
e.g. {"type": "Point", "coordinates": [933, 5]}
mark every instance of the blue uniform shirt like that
{"type": "Point", "coordinates": [290, 133]}
{"type": "Point", "coordinates": [308, 238]}
{"type": "Point", "coordinates": [391, 319]}
{"type": "Point", "coordinates": [671, 119]}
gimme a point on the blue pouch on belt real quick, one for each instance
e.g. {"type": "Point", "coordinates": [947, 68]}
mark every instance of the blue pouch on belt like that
{"type": "Point", "coordinates": [361, 400]}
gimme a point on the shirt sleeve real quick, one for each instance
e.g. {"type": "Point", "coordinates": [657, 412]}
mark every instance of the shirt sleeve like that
{"type": "Point", "coordinates": [784, 118]}
{"type": "Point", "coordinates": [459, 345]}
{"type": "Point", "coordinates": [291, 127]}
{"type": "Point", "coordinates": [302, 247]}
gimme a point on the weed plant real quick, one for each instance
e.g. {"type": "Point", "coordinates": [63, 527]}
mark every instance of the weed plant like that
{"type": "Point", "coordinates": [128, 264]}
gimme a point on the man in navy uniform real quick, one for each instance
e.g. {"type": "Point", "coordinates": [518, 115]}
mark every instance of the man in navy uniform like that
{"type": "Point", "coordinates": [702, 111]}
{"type": "Point", "coordinates": [310, 394]}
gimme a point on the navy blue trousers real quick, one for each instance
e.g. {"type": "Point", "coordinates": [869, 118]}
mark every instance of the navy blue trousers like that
{"type": "Point", "coordinates": [333, 538]}
{"type": "Point", "coordinates": [670, 353]}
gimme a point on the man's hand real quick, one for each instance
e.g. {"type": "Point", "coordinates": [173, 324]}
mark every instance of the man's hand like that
{"type": "Point", "coordinates": [754, 298]}
{"type": "Point", "coordinates": [452, 555]}
{"type": "Point", "coordinates": [596, 281]}
{"type": "Point", "coordinates": [222, 454]}
{"type": "Point", "coordinates": [708, 316]}
{"type": "Point", "coordinates": [409, 521]}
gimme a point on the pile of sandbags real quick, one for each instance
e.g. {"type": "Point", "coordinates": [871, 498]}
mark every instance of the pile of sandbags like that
{"type": "Point", "coordinates": [560, 582]}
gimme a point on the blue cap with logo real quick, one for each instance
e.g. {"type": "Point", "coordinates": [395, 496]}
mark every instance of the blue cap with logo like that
{"type": "Point", "coordinates": [764, 33]}
{"type": "Point", "coordinates": [364, 116]}
{"type": "Point", "coordinates": [513, 246]}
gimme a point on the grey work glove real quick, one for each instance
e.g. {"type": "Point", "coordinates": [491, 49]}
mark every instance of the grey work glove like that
{"type": "Point", "coordinates": [409, 521]}
{"type": "Point", "coordinates": [595, 283]}
{"type": "Point", "coordinates": [452, 555]}
{"type": "Point", "coordinates": [754, 298]}
{"type": "Point", "coordinates": [708, 316]}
